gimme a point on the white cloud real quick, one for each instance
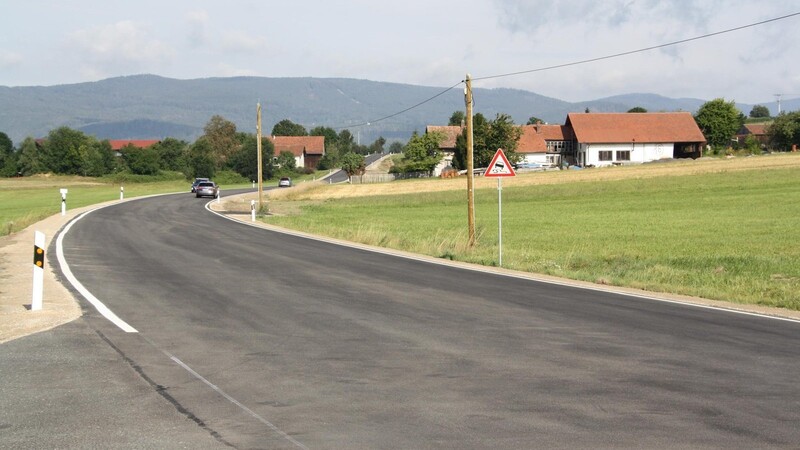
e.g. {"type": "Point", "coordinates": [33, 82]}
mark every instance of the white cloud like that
{"type": "Point", "coordinates": [9, 59]}
{"type": "Point", "coordinates": [120, 48]}
{"type": "Point", "coordinates": [226, 70]}
{"type": "Point", "coordinates": [239, 41]}
{"type": "Point", "coordinates": [198, 23]}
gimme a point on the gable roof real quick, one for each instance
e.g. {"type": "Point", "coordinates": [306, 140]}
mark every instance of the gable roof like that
{"type": "Point", "coordinates": [754, 129]}
{"type": "Point", "coordinates": [608, 128]}
{"type": "Point", "coordinates": [312, 145]}
{"type": "Point", "coordinates": [534, 137]}
{"type": "Point", "coordinates": [450, 132]}
{"type": "Point", "coordinates": [117, 144]}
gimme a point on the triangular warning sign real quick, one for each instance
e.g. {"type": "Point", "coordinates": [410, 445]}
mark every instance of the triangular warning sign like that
{"type": "Point", "coordinates": [499, 167]}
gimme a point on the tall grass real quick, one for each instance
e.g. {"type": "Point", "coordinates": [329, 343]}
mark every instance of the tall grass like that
{"type": "Point", "coordinates": [728, 236]}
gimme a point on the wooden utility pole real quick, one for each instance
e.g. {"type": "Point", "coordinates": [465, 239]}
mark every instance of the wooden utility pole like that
{"type": "Point", "coordinates": [470, 174]}
{"type": "Point", "coordinates": [260, 165]}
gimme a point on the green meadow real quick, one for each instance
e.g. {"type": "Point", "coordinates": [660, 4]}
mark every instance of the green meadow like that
{"type": "Point", "coordinates": [732, 236]}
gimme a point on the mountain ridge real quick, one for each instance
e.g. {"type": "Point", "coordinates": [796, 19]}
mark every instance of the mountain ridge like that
{"type": "Point", "coordinates": [148, 106]}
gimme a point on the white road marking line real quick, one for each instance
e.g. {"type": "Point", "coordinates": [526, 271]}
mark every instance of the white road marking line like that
{"type": "Point", "coordinates": [101, 308]}
{"type": "Point", "coordinates": [236, 402]}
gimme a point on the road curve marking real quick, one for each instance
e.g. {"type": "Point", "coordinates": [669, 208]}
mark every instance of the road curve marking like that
{"type": "Point", "coordinates": [101, 308]}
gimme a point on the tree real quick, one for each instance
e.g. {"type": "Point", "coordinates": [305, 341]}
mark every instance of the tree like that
{"type": "Point", "coordinates": [63, 151]}
{"type": "Point", "coordinates": [245, 160]}
{"type": "Point", "coordinates": [288, 128]}
{"type": "Point", "coordinates": [287, 161]}
{"type": "Point", "coordinates": [345, 141]}
{"type": "Point", "coordinates": [377, 146]}
{"type": "Point", "coordinates": [97, 159]}
{"type": "Point", "coordinates": [141, 161]}
{"type": "Point", "coordinates": [637, 109]}
{"type": "Point", "coordinates": [353, 164]}
{"type": "Point", "coordinates": [8, 158]}
{"type": "Point", "coordinates": [220, 135]}
{"type": "Point", "coordinates": [719, 121]}
{"type": "Point", "coordinates": [329, 133]}
{"type": "Point", "coordinates": [785, 131]}
{"type": "Point", "coordinates": [395, 147]}
{"type": "Point", "coordinates": [487, 137]}
{"type": "Point", "coordinates": [759, 111]}
{"type": "Point", "coordinates": [171, 153]}
{"type": "Point", "coordinates": [200, 160]}
{"type": "Point", "coordinates": [534, 120]}
{"type": "Point", "coordinates": [457, 119]}
{"type": "Point", "coordinates": [422, 153]}
{"type": "Point", "coordinates": [32, 159]}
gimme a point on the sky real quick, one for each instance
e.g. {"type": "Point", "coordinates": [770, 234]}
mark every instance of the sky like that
{"type": "Point", "coordinates": [421, 42]}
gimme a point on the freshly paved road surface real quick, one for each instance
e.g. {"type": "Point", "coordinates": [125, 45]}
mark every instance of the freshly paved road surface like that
{"type": "Point", "coordinates": [267, 340]}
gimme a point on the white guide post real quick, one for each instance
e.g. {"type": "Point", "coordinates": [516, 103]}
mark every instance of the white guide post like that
{"type": "Point", "coordinates": [121, 192]}
{"type": "Point", "coordinates": [252, 210]}
{"type": "Point", "coordinates": [38, 271]}
{"type": "Point", "coordinates": [63, 201]}
{"type": "Point", "coordinates": [219, 194]}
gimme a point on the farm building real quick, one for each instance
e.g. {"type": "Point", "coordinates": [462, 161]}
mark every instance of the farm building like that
{"type": "Point", "coordinates": [307, 150]}
{"type": "Point", "coordinates": [603, 139]}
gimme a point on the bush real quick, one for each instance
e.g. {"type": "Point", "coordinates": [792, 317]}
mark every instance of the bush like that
{"type": "Point", "coordinates": [230, 177]}
{"type": "Point", "coordinates": [127, 177]}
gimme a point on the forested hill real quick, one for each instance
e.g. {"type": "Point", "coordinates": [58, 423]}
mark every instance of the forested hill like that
{"type": "Point", "coordinates": [149, 106]}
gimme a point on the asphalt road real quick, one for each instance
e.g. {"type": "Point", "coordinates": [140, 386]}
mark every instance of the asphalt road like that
{"type": "Point", "coordinates": [266, 340]}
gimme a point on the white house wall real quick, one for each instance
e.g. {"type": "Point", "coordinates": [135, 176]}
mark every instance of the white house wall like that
{"type": "Point", "coordinates": [640, 153]}
{"type": "Point", "coordinates": [538, 158]}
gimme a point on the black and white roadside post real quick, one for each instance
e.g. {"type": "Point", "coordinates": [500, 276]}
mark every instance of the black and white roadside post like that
{"type": "Point", "coordinates": [121, 192]}
{"type": "Point", "coordinates": [63, 202]}
{"type": "Point", "coordinates": [252, 210]}
{"type": "Point", "coordinates": [38, 271]}
{"type": "Point", "coordinates": [219, 194]}
{"type": "Point", "coordinates": [499, 168]}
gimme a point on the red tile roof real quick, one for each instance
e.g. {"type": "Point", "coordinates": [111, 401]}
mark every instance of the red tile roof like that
{"type": "Point", "coordinates": [534, 137]}
{"type": "Point", "coordinates": [756, 128]}
{"type": "Point", "coordinates": [609, 128]}
{"type": "Point", "coordinates": [140, 143]}
{"type": "Point", "coordinates": [450, 132]}
{"type": "Point", "coordinates": [312, 145]}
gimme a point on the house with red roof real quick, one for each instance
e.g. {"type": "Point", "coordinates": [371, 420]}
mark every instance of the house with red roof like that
{"type": "Point", "coordinates": [447, 146]}
{"type": "Point", "coordinates": [544, 144]}
{"type": "Point", "coordinates": [307, 150]}
{"type": "Point", "coordinates": [603, 139]}
{"type": "Point", "coordinates": [757, 130]}
{"type": "Point", "coordinates": [118, 144]}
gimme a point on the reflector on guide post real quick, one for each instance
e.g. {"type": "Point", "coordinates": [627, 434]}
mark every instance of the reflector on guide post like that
{"type": "Point", "coordinates": [499, 167]}
{"type": "Point", "coordinates": [38, 256]}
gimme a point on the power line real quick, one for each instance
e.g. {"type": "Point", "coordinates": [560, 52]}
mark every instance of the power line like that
{"type": "Point", "coordinates": [641, 50]}
{"type": "Point", "coordinates": [401, 112]}
{"type": "Point", "coordinates": [574, 63]}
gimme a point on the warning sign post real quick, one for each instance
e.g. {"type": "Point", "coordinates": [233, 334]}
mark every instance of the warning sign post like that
{"type": "Point", "coordinates": [500, 168]}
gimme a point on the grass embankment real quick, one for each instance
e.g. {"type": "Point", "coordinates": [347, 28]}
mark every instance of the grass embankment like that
{"type": "Point", "coordinates": [24, 201]}
{"type": "Point", "coordinates": [724, 229]}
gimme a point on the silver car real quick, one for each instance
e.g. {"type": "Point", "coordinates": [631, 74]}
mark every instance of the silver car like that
{"type": "Point", "coordinates": [206, 189]}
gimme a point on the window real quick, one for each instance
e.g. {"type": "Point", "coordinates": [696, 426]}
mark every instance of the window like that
{"type": "Point", "coordinates": [605, 155]}
{"type": "Point", "coordinates": [559, 146]}
{"type": "Point", "coordinates": [623, 155]}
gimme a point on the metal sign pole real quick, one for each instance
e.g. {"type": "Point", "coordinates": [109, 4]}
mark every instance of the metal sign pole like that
{"type": "Point", "coordinates": [500, 220]}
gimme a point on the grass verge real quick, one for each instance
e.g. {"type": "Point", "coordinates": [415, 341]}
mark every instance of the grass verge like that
{"type": "Point", "coordinates": [731, 235]}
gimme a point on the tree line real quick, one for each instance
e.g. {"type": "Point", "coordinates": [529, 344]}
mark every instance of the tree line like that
{"type": "Point", "coordinates": [223, 148]}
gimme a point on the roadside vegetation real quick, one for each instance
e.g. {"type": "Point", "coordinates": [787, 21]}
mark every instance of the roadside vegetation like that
{"type": "Point", "coordinates": [720, 229]}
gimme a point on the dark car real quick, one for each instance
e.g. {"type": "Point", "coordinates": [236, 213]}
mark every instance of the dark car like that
{"type": "Point", "coordinates": [196, 182]}
{"type": "Point", "coordinates": [206, 189]}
